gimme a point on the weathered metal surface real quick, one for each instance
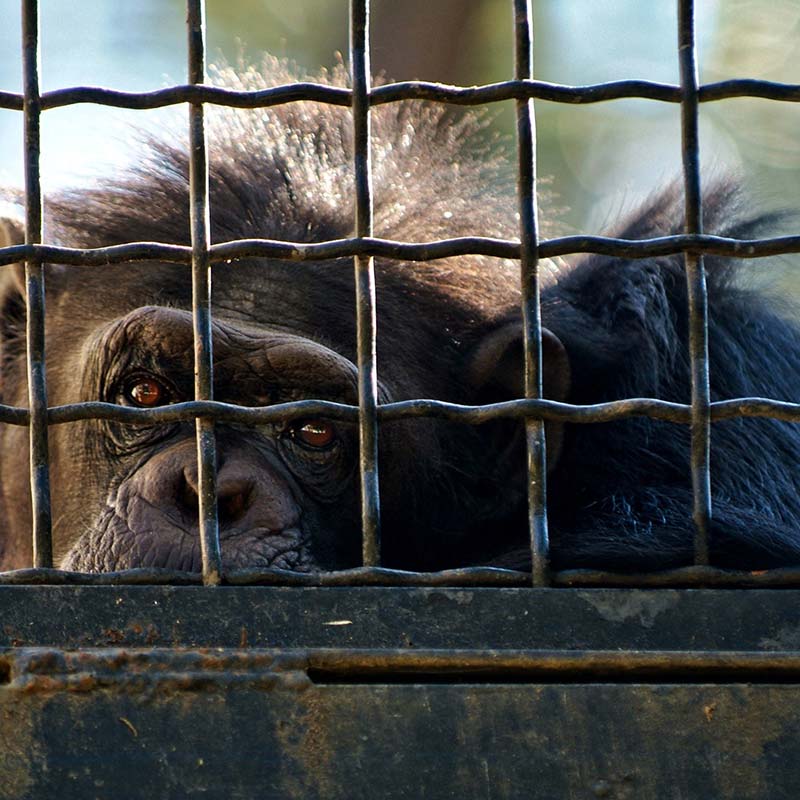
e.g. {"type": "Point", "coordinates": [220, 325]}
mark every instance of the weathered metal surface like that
{"type": "Point", "coordinates": [415, 741]}
{"type": "Point", "coordinates": [370, 617]}
{"type": "Point", "coordinates": [243, 692]}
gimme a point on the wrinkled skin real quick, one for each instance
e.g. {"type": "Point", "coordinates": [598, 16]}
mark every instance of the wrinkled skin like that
{"type": "Point", "coordinates": [451, 495]}
{"type": "Point", "coordinates": [259, 476]}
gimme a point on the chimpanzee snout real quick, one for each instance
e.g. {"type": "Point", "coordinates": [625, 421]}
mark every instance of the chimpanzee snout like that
{"type": "Point", "coordinates": [235, 495]}
{"type": "Point", "coordinates": [250, 493]}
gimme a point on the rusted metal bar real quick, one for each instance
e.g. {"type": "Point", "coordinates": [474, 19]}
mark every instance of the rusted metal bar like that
{"type": "Point", "coordinates": [696, 285]}
{"type": "Point", "coordinates": [694, 577]}
{"type": "Point", "coordinates": [365, 287]}
{"type": "Point", "coordinates": [409, 90]}
{"type": "Point", "coordinates": [754, 407]}
{"type": "Point", "coordinates": [201, 304]}
{"type": "Point", "coordinates": [35, 295]}
{"type": "Point", "coordinates": [529, 284]}
{"type": "Point", "coordinates": [192, 670]}
{"type": "Point", "coordinates": [407, 251]}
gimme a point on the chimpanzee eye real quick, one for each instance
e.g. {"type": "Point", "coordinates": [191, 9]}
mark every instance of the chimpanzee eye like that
{"type": "Point", "coordinates": [146, 391]}
{"type": "Point", "coordinates": [315, 434]}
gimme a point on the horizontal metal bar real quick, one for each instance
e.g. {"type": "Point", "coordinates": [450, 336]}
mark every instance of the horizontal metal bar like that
{"type": "Point", "coordinates": [513, 409]}
{"type": "Point", "coordinates": [523, 89]}
{"type": "Point", "coordinates": [579, 95]}
{"type": "Point", "coordinates": [187, 93]}
{"type": "Point", "coordinates": [696, 576]}
{"type": "Point", "coordinates": [754, 407]}
{"type": "Point", "coordinates": [186, 669]}
{"type": "Point", "coordinates": [557, 664]}
{"type": "Point", "coordinates": [408, 90]}
{"type": "Point", "coordinates": [358, 576]}
{"type": "Point", "coordinates": [701, 244]}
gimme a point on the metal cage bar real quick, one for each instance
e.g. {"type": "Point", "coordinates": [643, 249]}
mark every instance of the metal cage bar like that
{"type": "Point", "coordinates": [406, 251]}
{"type": "Point", "coordinates": [409, 90]}
{"type": "Point", "coordinates": [531, 309]}
{"type": "Point", "coordinates": [201, 303]}
{"type": "Point", "coordinates": [700, 426]}
{"type": "Point", "coordinates": [365, 287]}
{"type": "Point", "coordinates": [35, 296]}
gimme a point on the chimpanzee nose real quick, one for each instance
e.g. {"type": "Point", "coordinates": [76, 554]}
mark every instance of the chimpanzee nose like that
{"type": "Point", "coordinates": [234, 494]}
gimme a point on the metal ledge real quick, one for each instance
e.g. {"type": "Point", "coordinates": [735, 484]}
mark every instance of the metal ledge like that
{"type": "Point", "coordinates": [387, 618]}
{"type": "Point", "coordinates": [395, 692]}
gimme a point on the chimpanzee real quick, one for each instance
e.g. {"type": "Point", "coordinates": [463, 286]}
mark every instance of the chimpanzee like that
{"type": "Point", "coordinates": [452, 494]}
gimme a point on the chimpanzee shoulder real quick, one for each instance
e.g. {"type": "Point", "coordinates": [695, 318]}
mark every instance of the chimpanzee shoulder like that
{"type": "Point", "coordinates": [624, 323]}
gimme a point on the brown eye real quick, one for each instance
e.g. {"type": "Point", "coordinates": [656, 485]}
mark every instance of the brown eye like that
{"type": "Point", "coordinates": [314, 433]}
{"type": "Point", "coordinates": [146, 392]}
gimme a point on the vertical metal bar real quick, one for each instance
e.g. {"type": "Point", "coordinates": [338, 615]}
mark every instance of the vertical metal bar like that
{"type": "Point", "coordinates": [531, 309]}
{"type": "Point", "coordinates": [696, 284]}
{"type": "Point", "coordinates": [34, 287]}
{"type": "Point", "coordinates": [201, 303]}
{"type": "Point", "coordinates": [365, 286]}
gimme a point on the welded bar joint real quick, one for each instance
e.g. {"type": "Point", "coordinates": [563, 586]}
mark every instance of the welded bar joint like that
{"type": "Point", "coordinates": [700, 425]}
{"type": "Point", "coordinates": [365, 287]}
{"type": "Point", "coordinates": [201, 304]}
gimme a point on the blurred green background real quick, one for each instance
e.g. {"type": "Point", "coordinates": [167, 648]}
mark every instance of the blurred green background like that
{"type": "Point", "coordinates": [601, 158]}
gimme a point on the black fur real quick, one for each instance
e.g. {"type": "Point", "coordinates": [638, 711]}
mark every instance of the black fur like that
{"type": "Point", "coordinates": [621, 495]}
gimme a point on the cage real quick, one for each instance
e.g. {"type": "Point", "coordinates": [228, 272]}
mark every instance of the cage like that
{"type": "Point", "coordinates": [360, 682]}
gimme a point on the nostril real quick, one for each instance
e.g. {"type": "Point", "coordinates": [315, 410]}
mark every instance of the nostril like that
{"type": "Point", "coordinates": [234, 497]}
{"type": "Point", "coordinates": [233, 500]}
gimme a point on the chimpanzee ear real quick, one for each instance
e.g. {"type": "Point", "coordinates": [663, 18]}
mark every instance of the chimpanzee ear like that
{"type": "Point", "coordinates": [497, 366]}
{"type": "Point", "coordinates": [12, 276]}
{"type": "Point", "coordinates": [497, 373]}
{"type": "Point", "coordinates": [12, 303]}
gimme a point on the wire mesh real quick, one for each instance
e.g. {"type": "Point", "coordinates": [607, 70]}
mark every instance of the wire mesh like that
{"type": "Point", "coordinates": [363, 248]}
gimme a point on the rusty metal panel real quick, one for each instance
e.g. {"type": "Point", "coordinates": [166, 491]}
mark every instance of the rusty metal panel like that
{"type": "Point", "coordinates": [702, 620]}
{"type": "Point", "coordinates": [412, 741]}
{"type": "Point", "coordinates": [400, 693]}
